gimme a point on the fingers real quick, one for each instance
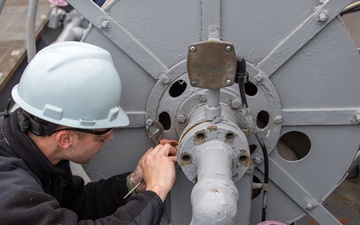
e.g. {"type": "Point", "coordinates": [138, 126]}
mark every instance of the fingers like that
{"type": "Point", "coordinates": [165, 150]}
{"type": "Point", "coordinates": [153, 162]}
{"type": "Point", "coordinates": [172, 151]}
{"type": "Point", "coordinates": [173, 143]}
{"type": "Point", "coordinates": [158, 166]}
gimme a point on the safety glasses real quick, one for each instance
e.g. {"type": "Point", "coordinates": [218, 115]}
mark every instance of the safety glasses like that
{"type": "Point", "coordinates": [103, 134]}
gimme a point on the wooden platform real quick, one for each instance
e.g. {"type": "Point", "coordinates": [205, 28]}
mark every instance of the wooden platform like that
{"type": "Point", "coordinates": [13, 20]}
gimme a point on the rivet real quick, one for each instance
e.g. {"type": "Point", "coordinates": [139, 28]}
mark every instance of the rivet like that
{"type": "Point", "coordinates": [228, 48]}
{"type": "Point", "coordinates": [309, 206]}
{"type": "Point", "coordinates": [228, 82]}
{"type": "Point", "coordinates": [194, 82]}
{"type": "Point", "coordinates": [192, 48]}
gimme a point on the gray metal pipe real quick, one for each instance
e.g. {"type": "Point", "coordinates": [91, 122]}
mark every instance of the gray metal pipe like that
{"type": "Point", "coordinates": [30, 29]}
{"type": "Point", "coordinates": [2, 3]}
{"type": "Point", "coordinates": [214, 197]}
{"type": "Point", "coordinates": [213, 109]}
{"type": "Point", "coordinates": [214, 155]}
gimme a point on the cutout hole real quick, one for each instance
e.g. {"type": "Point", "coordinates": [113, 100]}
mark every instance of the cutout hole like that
{"type": "Point", "coordinates": [229, 137]}
{"type": "Point", "coordinates": [262, 119]}
{"type": "Point", "coordinates": [256, 191]}
{"type": "Point", "coordinates": [293, 146]}
{"type": "Point", "coordinates": [199, 137]}
{"type": "Point", "coordinates": [243, 160]}
{"type": "Point", "coordinates": [185, 159]}
{"type": "Point", "coordinates": [165, 120]}
{"type": "Point", "coordinates": [252, 149]}
{"type": "Point", "coordinates": [250, 89]}
{"type": "Point", "coordinates": [177, 88]}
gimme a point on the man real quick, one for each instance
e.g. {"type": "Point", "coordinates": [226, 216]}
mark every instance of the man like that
{"type": "Point", "coordinates": [69, 98]}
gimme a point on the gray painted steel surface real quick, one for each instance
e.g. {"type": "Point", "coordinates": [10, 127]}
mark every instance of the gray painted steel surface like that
{"type": "Point", "coordinates": [303, 93]}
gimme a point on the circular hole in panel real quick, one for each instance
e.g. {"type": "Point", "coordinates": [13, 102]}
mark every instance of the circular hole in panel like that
{"type": "Point", "coordinates": [293, 146]}
{"type": "Point", "coordinates": [177, 88]}
{"type": "Point", "coordinates": [262, 119]}
{"type": "Point", "coordinates": [186, 158]}
{"type": "Point", "coordinates": [165, 120]}
{"type": "Point", "coordinates": [250, 89]}
{"type": "Point", "coordinates": [252, 149]}
{"type": "Point", "coordinates": [243, 159]}
{"type": "Point", "coordinates": [229, 137]}
{"type": "Point", "coordinates": [199, 136]}
{"type": "Point", "coordinates": [256, 190]}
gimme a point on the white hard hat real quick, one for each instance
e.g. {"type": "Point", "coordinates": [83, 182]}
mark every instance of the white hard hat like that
{"type": "Point", "coordinates": [72, 84]}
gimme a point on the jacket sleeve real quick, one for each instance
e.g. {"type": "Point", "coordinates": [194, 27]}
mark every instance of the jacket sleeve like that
{"type": "Point", "coordinates": [33, 207]}
{"type": "Point", "coordinates": [95, 199]}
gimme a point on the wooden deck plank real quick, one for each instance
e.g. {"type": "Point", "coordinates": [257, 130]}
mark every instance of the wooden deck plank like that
{"type": "Point", "coordinates": [13, 21]}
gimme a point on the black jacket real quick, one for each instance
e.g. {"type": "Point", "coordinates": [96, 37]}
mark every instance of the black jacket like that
{"type": "Point", "coordinates": [33, 191]}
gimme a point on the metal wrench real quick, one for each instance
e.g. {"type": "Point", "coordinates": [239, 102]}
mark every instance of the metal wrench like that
{"type": "Point", "coordinates": [155, 137]}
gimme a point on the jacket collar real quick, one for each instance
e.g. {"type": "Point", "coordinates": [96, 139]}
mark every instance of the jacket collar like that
{"type": "Point", "coordinates": [24, 148]}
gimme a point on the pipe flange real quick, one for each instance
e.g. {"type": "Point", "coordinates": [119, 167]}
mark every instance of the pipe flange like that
{"type": "Point", "coordinates": [203, 132]}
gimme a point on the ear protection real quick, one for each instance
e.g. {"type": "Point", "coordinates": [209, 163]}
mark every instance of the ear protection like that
{"type": "Point", "coordinates": [23, 121]}
{"type": "Point", "coordinates": [28, 123]}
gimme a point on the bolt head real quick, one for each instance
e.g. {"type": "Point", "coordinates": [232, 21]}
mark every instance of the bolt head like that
{"type": "Point", "coordinates": [259, 77]}
{"type": "Point", "coordinates": [357, 117]}
{"type": "Point", "coordinates": [203, 97]}
{"type": "Point", "coordinates": [322, 17]}
{"type": "Point", "coordinates": [258, 160]}
{"type": "Point", "coordinates": [105, 24]}
{"type": "Point", "coordinates": [236, 103]}
{"type": "Point", "coordinates": [165, 80]}
{"type": "Point", "coordinates": [181, 118]}
{"type": "Point", "coordinates": [149, 122]}
{"type": "Point", "coordinates": [278, 119]}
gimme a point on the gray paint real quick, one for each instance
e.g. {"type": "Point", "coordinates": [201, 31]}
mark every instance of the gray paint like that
{"type": "Point", "coordinates": [301, 60]}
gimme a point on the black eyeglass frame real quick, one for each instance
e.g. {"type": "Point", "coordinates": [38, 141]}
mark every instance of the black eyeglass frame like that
{"type": "Point", "coordinates": [95, 132]}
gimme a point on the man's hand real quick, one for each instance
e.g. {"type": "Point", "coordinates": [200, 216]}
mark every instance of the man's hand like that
{"type": "Point", "coordinates": [168, 141]}
{"type": "Point", "coordinates": [158, 167]}
{"type": "Point", "coordinates": [159, 164]}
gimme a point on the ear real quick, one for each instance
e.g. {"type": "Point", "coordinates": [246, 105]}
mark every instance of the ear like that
{"type": "Point", "coordinates": [64, 139]}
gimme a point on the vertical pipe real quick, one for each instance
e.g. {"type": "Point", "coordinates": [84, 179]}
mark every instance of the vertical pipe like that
{"type": "Point", "coordinates": [213, 109]}
{"type": "Point", "coordinates": [214, 197]}
{"type": "Point", "coordinates": [2, 3]}
{"type": "Point", "coordinates": [30, 29]}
